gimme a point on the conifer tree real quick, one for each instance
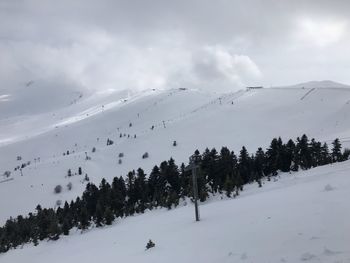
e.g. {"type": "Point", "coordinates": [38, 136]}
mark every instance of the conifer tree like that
{"type": "Point", "coordinates": [108, 216]}
{"type": "Point", "coordinates": [99, 214]}
{"type": "Point", "coordinates": [305, 153]}
{"type": "Point", "coordinates": [244, 165]}
{"type": "Point", "coordinates": [259, 163]}
{"type": "Point", "coordinates": [155, 184]}
{"type": "Point", "coordinates": [336, 151]}
{"type": "Point", "coordinates": [66, 227]}
{"type": "Point", "coordinates": [346, 154]}
{"type": "Point", "coordinates": [141, 190]}
{"type": "Point", "coordinates": [84, 218]}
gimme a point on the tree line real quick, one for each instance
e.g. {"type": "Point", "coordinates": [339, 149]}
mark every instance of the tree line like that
{"type": "Point", "coordinates": [221, 172]}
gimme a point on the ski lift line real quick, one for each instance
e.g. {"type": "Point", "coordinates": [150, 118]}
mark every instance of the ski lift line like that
{"type": "Point", "coordinates": [6, 180]}
{"type": "Point", "coordinates": [307, 93]}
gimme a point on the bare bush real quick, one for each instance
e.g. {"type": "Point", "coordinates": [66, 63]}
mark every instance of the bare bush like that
{"type": "Point", "coordinates": [58, 189]}
{"type": "Point", "coordinates": [69, 186]}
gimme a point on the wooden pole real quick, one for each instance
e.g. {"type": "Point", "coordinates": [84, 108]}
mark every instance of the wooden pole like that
{"type": "Point", "coordinates": [195, 190]}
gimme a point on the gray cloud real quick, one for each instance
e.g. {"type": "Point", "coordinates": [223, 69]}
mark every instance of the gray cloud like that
{"type": "Point", "coordinates": [133, 44]}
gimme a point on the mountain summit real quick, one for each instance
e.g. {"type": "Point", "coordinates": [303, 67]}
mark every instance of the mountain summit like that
{"type": "Point", "coordinates": [318, 84]}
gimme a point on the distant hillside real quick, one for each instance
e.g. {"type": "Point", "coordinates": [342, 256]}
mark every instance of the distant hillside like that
{"type": "Point", "coordinates": [151, 121]}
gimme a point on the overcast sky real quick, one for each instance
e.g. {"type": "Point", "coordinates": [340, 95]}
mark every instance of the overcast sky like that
{"type": "Point", "coordinates": [221, 44]}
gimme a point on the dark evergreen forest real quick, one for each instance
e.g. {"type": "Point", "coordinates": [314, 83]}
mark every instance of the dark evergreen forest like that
{"type": "Point", "coordinates": [166, 185]}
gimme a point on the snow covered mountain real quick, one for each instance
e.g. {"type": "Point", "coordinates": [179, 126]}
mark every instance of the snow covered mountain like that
{"type": "Point", "coordinates": [150, 121]}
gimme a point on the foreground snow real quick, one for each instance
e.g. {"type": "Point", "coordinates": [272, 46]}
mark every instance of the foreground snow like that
{"type": "Point", "coordinates": [302, 217]}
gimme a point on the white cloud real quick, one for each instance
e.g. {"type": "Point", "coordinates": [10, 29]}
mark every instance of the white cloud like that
{"type": "Point", "coordinates": [320, 32]}
{"type": "Point", "coordinates": [216, 68]}
{"type": "Point", "coordinates": [136, 45]}
{"type": "Point", "coordinates": [102, 61]}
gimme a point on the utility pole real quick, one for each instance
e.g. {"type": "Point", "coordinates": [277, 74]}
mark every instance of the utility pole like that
{"type": "Point", "coordinates": [193, 166]}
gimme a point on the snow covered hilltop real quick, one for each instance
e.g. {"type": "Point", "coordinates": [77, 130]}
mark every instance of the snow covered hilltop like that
{"type": "Point", "coordinates": [107, 135]}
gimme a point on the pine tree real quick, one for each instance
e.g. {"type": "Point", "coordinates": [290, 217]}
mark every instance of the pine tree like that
{"type": "Point", "coordinates": [244, 165]}
{"type": "Point", "coordinates": [84, 218]}
{"type": "Point", "coordinates": [141, 190]}
{"type": "Point", "coordinates": [173, 177]}
{"type": "Point", "coordinates": [132, 197]}
{"type": "Point", "coordinates": [155, 184]}
{"type": "Point", "coordinates": [286, 156]}
{"type": "Point", "coordinates": [336, 151]}
{"type": "Point", "coordinates": [210, 169]}
{"type": "Point", "coordinates": [108, 216]}
{"type": "Point", "coordinates": [99, 214]}
{"type": "Point", "coordinates": [315, 148]}
{"type": "Point", "coordinates": [66, 227]}
{"type": "Point", "coordinates": [346, 154]}
{"type": "Point", "coordinates": [118, 196]}
{"type": "Point", "coordinates": [259, 163]}
{"type": "Point", "coordinates": [305, 153]}
{"type": "Point", "coordinates": [229, 186]}
{"type": "Point", "coordinates": [272, 156]}
{"type": "Point", "coordinates": [325, 155]}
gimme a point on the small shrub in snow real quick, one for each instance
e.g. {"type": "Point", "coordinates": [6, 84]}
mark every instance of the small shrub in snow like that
{"type": "Point", "coordinates": [58, 189]}
{"type": "Point", "coordinates": [69, 186]}
{"type": "Point", "coordinates": [7, 174]}
{"type": "Point", "coordinates": [145, 155]}
{"type": "Point", "coordinates": [120, 161]}
{"type": "Point", "coordinates": [328, 188]}
{"type": "Point", "coordinates": [58, 202]}
{"type": "Point", "coordinates": [259, 183]}
{"type": "Point", "coordinates": [109, 142]}
{"type": "Point", "coordinates": [150, 244]}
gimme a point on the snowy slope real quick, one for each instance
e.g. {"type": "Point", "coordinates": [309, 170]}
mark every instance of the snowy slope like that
{"type": "Point", "coordinates": [194, 118]}
{"type": "Point", "coordinates": [303, 217]}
